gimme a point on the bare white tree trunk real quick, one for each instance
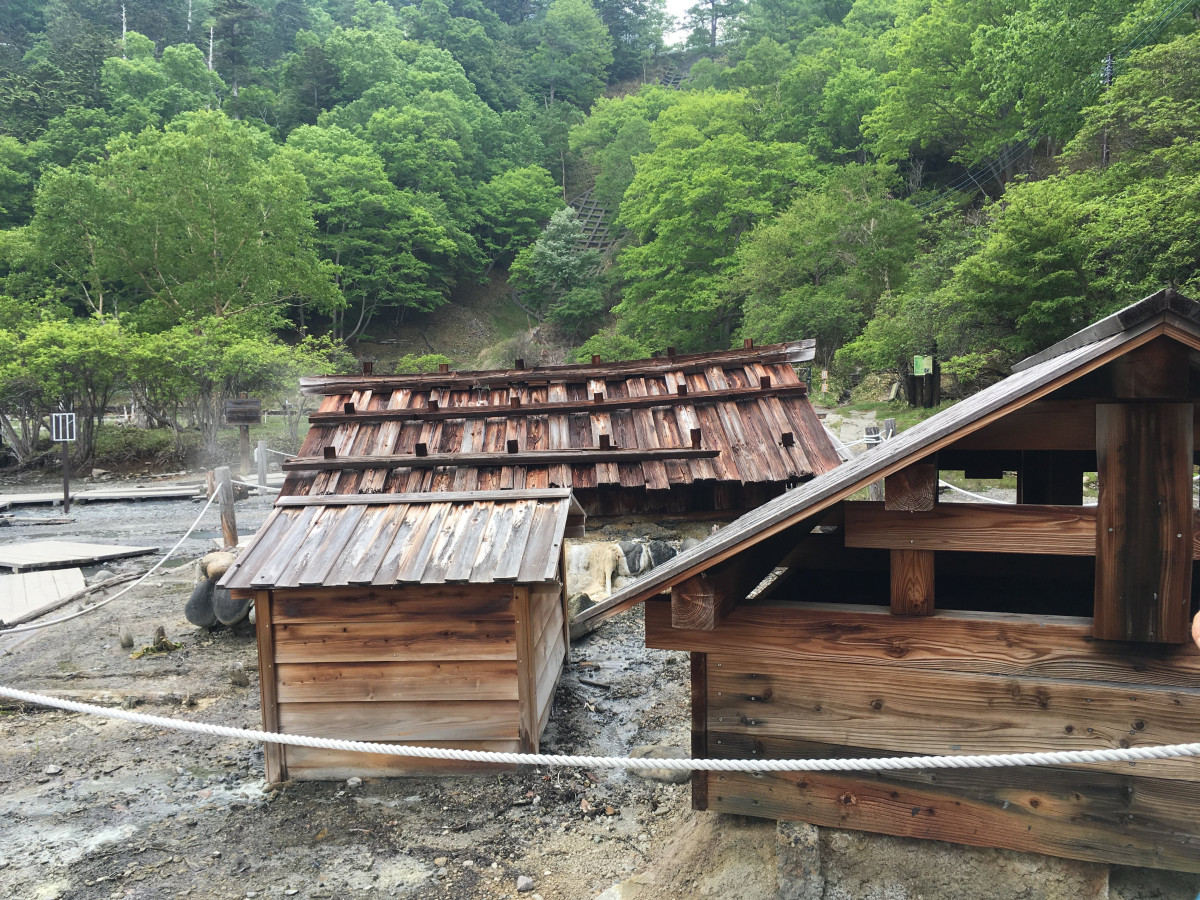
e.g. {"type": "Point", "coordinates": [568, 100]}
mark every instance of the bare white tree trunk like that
{"type": "Point", "coordinates": [189, 19]}
{"type": "Point", "coordinates": [123, 31]}
{"type": "Point", "coordinates": [210, 43]}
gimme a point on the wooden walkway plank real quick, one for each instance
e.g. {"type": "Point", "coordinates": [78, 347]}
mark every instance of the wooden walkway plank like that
{"type": "Point", "coordinates": [26, 596]}
{"type": "Point", "coordinates": [30, 555]}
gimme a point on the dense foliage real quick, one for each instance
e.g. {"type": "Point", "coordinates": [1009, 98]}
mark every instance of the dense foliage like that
{"type": "Point", "coordinates": [189, 182]}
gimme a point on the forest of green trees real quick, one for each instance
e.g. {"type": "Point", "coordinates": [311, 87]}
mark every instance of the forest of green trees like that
{"type": "Point", "coordinates": [199, 197]}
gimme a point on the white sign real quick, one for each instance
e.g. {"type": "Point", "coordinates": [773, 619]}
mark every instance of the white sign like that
{"type": "Point", "coordinates": [62, 427]}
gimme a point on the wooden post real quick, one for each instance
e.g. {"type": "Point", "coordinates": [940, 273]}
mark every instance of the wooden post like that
{"type": "Point", "coordinates": [874, 439]}
{"type": "Point", "coordinates": [273, 754]}
{"type": "Point", "coordinates": [262, 463]}
{"type": "Point", "coordinates": [224, 484]}
{"type": "Point", "coordinates": [699, 728]}
{"type": "Point", "coordinates": [1144, 521]}
{"type": "Point", "coordinates": [66, 477]}
{"type": "Point", "coordinates": [912, 582]}
{"type": "Point", "coordinates": [244, 447]}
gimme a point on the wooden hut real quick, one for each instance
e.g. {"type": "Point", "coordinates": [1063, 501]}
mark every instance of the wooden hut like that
{"type": "Point", "coordinates": [434, 619]}
{"type": "Point", "coordinates": [704, 433]}
{"type": "Point", "coordinates": [919, 626]}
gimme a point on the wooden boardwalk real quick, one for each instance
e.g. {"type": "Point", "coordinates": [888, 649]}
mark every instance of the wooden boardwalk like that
{"type": "Point", "coordinates": [30, 555]}
{"type": "Point", "coordinates": [27, 596]}
{"type": "Point", "coordinates": [103, 495]}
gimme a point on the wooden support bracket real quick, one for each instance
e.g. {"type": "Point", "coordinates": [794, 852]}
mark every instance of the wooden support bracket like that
{"type": "Point", "coordinates": [912, 582]}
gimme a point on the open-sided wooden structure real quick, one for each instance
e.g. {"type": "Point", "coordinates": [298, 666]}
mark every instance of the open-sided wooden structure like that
{"type": "Point", "coordinates": [918, 626]}
{"type": "Point", "coordinates": [429, 619]}
{"type": "Point", "coordinates": [720, 431]}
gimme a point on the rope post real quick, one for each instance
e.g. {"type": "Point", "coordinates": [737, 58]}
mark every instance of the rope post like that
{"type": "Point", "coordinates": [261, 458]}
{"type": "Point", "coordinates": [224, 486]}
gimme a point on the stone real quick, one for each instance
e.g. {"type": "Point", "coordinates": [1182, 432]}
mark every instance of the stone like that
{"type": "Point", "coordinates": [126, 638]}
{"type": "Point", "coordinates": [217, 563]}
{"type": "Point", "coordinates": [440, 861]}
{"type": "Point", "coordinates": [228, 610]}
{"type": "Point", "coordinates": [100, 473]}
{"type": "Point", "coordinates": [102, 575]}
{"type": "Point", "coordinates": [633, 560]}
{"type": "Point", "coordinates": [798, 861]}
{"type": "Point", "coordinates": [199, 608]}
{"type": "Point", "coordinates": [660, 552]}
{"type": "Point", "coordinates": [590, 567]}
{"type": "Point", "coordinates": [666, 776]}
{"type": "Point", "coordinates": [354, 782]}
{"type": "Point", "coordinates": [688, 544]}
{"type": "Point", "coordinates": [238, 676]}
{"type": "Point", "coordinates": [52, 770]}
{"type": "Point", "coordinates": [524, 884]}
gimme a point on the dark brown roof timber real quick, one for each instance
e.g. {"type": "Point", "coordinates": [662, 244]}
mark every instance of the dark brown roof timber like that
{"type": "Point", "coordinates": [508, 411]}
{"type": "Point", "coordinates": [794, 352]}
{"type": "Point", "coordinates": [1161, 313]}
{"type": "Point", "coordinates": [519, 458]}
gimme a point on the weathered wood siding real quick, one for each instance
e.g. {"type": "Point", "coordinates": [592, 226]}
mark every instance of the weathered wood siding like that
{"type": "Point", "coordinates": [812, 680]}
{"type": "Point", "coordinates": [432, 665]}
{"type": "Point", "coordinates": [550, 651]}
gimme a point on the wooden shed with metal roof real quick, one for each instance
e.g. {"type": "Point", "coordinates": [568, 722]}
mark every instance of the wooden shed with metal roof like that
{"type": "Point", "coordinates": [680, 434]}
{"type": "Point", "coordinates": [825, 625]}
{"type": "Point", "coordinates": [435, 619]}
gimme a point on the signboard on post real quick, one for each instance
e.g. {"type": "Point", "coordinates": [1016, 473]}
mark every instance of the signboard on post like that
{"type": "Point", "coordinates": [62, 427]}
{"type": "Point", "coordinates": [243, 411]}
{"type": "Point", "coordinates": [62, 430]}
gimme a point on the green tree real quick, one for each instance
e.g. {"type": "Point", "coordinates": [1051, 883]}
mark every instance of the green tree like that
{"type": "Point", "coordinates": [818, 270]}
{"type": "Point", "coordinates": [388, 248]}
{"type": "Point", "coordinates": [552, 265]}
{"type": "Point", "coordinates": [513, 206]}
{"type": "Point", "coordinates": [572, 56]}
{"type": "Point", "coordinates": [706, 184]}
{"type": "Point", "coordinates": [202, 219]}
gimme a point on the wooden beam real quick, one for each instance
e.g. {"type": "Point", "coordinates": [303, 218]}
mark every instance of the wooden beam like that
{"type": "Point", "coordinates": [979, 527]}
{"type": "Point", "coordinates": [912, 489]}
{"type": "Point", "coordinates": [426, 497]}
{"type": "Point", "coordinates": [541, 409]}
{"type": "Point", "coordinates": [912, 582]}
{"type": "Point", "coordinates": [1144, 527]}
{"type": "Point", "coordinates": [1155, 371]}
{"type": "Point", "coordinates": [994, 644]}
{"type": "Point", "coordinates": [526, 671]}
{"type": "Point", "coordinates": [1098, 816]}
{"type": "Point", "coordinates": [519, 458]}
{"type": "Point", "coordinates": [794, 352]}
{"type": "Point", "coordinates": [704, 600]}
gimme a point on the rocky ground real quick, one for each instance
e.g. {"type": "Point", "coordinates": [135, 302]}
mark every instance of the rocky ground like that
{"type": "Point", "coordinates": [95, 808]}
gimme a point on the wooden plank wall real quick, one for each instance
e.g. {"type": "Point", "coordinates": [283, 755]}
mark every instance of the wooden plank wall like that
{"type": "Point", "coordinates": [815, 680]}
{"type": "Point", "coordinates": [433, 665]}
{"type": "Point", "coordinates": [550, 649]}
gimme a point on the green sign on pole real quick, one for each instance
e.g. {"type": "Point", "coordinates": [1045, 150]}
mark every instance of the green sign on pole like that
{"type": "Point", "coordinates": [922, 365]}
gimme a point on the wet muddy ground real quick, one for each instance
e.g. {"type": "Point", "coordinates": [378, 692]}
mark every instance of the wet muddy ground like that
{"type": "Point", "coordinates": [96, 808]}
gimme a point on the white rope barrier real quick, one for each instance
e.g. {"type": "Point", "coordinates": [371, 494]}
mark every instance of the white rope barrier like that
{"type": "Point", "coordinates": [1056, 758]}
{"type": "Point", "coordinates": [280, 453]}
{"type": "Point", "coordinates": [947, 484]}
{"type": "Point", "coordinates": [34, 626]}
